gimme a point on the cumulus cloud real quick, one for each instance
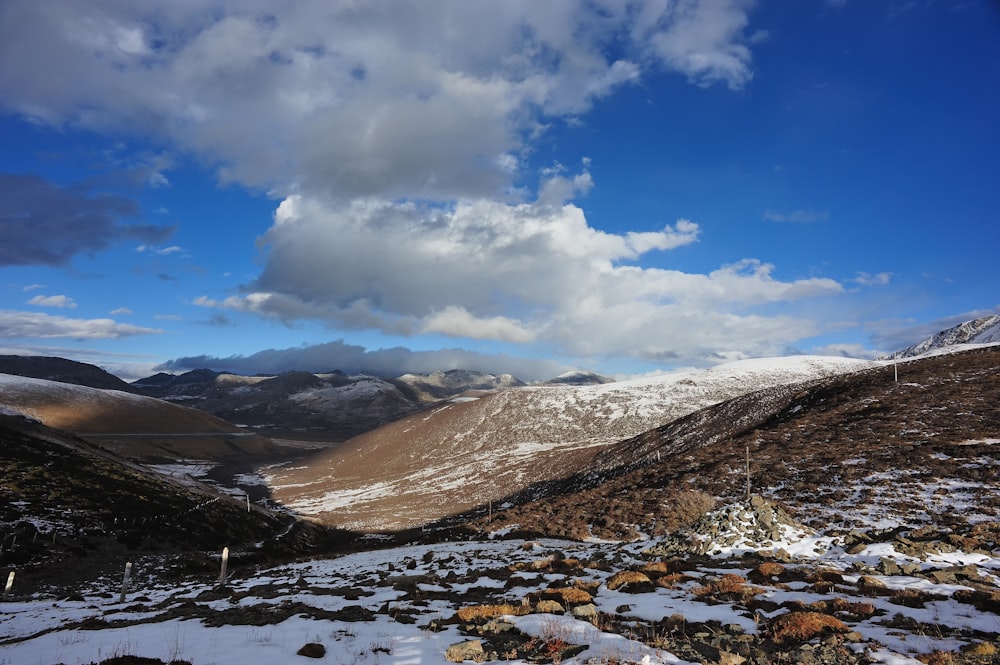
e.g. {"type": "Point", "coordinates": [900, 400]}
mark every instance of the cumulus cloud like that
{"type": "Point", "coordinates": [44, 224]}
{"type": "Point", "coordinates": [62, 302]}
{"type": "Point", "coordinates": [527, 272]}
{"type": "Point", "coordinates": [353, 359]}
{"type": "Point", "coordinates": [701, 39]}
{"type": "Point", "coordinates": [430, 100]}
{"type": "Point", "coordinates": [15, 324]}
{"type": "Point", "coordinates": [397, 138]}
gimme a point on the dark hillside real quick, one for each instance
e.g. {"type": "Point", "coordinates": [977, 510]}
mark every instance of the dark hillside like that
{"type": "Point", "coordinates": [62, 370]}
{"type": "Point", "coordinates": [65, 500]}
{"type": "Point", "coordinates": [924, 450]}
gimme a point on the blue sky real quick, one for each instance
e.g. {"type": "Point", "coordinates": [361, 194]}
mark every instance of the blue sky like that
{"type": "Point", "coordinates": [513, 187]}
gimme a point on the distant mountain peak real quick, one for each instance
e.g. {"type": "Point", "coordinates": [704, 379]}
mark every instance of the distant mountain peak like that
{"type": "Point", "coordinates": [579, 378]}
{"type": "Point", "coordinates": [984, 330]}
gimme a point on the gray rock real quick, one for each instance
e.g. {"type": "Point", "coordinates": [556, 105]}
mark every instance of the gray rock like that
{"type": "Point", "coordinates": [463, 651]}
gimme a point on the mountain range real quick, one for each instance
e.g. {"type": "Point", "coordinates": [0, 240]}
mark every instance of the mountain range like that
{"type": "Point", "coordinates": [800, 509]}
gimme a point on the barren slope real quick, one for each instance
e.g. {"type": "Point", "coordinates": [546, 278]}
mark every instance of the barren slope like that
{"type": "Point", "coordinates": [133, 425]}
{"type": "Point", "coordinates": [854, 451]}
{"type": "Point", "coordinates": [476, 449]}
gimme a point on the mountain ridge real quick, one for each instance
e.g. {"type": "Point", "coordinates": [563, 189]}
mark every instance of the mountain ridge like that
{"type": "Point", "coordinates": [984, 330]}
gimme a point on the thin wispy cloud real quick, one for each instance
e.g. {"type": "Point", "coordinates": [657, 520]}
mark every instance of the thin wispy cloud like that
{"type": "Point", "coordinates": [60, 301]}
{"type": "Point", "coordinates": [14, 324]}
{"type": "Point", "coordinates": [799, 216]}
{"type": "Point", "coordinates": [877, 279]}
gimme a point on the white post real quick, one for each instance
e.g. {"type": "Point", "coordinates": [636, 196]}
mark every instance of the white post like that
{"type": "Point", "coordinates": [895, 371]}
{"type": "Point", "coordinates": [225, 562]}
{"type": "Point", "coordinates": [10, 584]}
{"type": "Point", "coordinates": [248, 503]}
{"type": "Point", "coordinates": [125, 577]}
{"type": "Point", "coordinates": [748, 473]}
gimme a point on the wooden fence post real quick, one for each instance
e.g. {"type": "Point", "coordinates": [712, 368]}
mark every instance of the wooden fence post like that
{"type": "Point", "coordinates": [10, 584]}
{"type": "Point", "coordinates": [125, 577]}
{"type": "Point", "coordinates": [225, 562]}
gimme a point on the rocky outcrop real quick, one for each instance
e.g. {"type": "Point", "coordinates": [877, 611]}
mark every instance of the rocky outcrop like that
{"type": "Point", "coordinates": [753, 524]}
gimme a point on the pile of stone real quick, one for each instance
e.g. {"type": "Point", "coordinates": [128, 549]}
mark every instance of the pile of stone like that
{"type": "Point", "coordinates": [754, 524]}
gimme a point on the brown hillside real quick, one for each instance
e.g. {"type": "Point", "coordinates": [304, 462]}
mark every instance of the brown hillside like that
{"type": "Point", "coordinates": [132, 425]}
{"type": "Point", "coordinates": [853, 451]}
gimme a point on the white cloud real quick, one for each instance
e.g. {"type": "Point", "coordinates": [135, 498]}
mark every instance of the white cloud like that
{"type": "Point", "coordinates": [353, 359]}
{"type": "Point", "coordinates": [456, 321]}
{"type": "Point", "coordinates": [33, 287]}
{"type": "Point", "coordinates": [63, 302]}
{"type": "Point", "coordinates": [528, 272]}
{"type": "Point", "coordinates": [121, 310]}
{"type": "Point", "coordinates": [878, 279]}
{"type": "Point", "coordinates": [703, 40]}
{"type": "Point", "coordinates": [429, 100]}
{"type": "Point", "coordinates": [395, 135]}
{"type": "Point", "coordinates": [161, 251]}
{"type": "Point", "coordinates": [15, 324]}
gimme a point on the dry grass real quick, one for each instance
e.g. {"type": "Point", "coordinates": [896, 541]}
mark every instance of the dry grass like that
{"type": "Point", "coordinates": [476, 613]}
{"type": "Point", "coordinates": [565, 595]}
{"type": "Point", "coordinates": [673, 580]}
{"type": "Point", "coordinates": [728, 587]}
{"type": "Point", "coordinates": [627, 578]}
{"type": "Point", "coordinates": [804, 626]}
{"type": "Point", "coordinates": [936, 658]}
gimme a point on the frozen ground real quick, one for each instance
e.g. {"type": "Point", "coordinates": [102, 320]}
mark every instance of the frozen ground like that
{"type": "Point", "coordinates": [400, 606]}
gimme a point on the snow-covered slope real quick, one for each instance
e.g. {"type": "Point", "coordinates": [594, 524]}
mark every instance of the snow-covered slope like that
{"type": "Point", "coordinates": [473, 450]}
{"type": "Point", "coordinates": [985, 330]}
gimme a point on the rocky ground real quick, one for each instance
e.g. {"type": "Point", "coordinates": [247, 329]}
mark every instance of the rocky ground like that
{"type": "Point", "coordinates": [705, 596]}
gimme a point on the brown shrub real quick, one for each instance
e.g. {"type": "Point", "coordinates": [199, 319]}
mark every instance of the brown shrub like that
{"type": "Point", "coordinates": [912, 598]}
{"type": "Point", "coordinates": [769, 569]}
{"type": "Point", "coordinates": [475, 613]}
{"type": "Point", "coordinates": [728, 587]}
{"type": "Point", "coordinates": [981, 649]}
{"type": "Point", "coordinates": [804, 626]}
{"type": "Point", "coordinates": [656, 567]}
{"type": "Point", "coordinates": [844, 606]}
{"type": "Point", "coordinates": [672, 580]}
{"type": "Point", "coordinates": [684, 508]}
{"type": "Point", "coordinates": [564, 595]}
{"type": "Point", "coordinates": [984, 601]}
{"type": "Point", "coordinates": [628, 578]}
{"type": "Point", "coordinates": [871, 586]}
{"type": "Point", "coordinates": [936, 658]}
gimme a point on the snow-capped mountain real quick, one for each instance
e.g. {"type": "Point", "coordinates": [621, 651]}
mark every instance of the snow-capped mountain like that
{"type": "Point", "coordinates": [985, 330]}
{"type": "Point", "coordinates": [477, 448]}
{"type": "Point", "coordinates": [580, 378]}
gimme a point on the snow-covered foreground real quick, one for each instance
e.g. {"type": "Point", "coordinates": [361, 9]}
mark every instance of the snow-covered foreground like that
{"type": "Point", "coordinates": [399, 606]}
